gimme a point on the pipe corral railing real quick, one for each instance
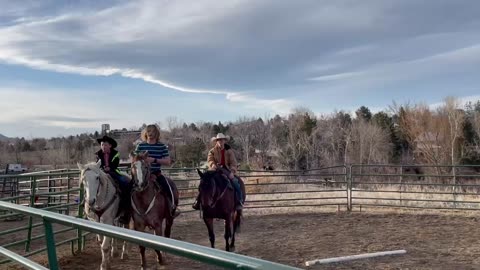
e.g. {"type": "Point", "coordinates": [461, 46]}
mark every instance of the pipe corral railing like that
{"type": "Point", "coordinates": [184, 249]}
{"type": "Point", "coordinates": [350, 187]}
{"type": "Point", "coordinates": [415, 186]}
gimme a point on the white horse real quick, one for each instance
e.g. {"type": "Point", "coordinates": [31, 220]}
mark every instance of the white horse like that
{"type": "Point", "coordinates": [101, 205]}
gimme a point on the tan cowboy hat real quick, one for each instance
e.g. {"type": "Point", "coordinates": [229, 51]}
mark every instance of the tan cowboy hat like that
{"type": "Point", "coordinates": [220, 136]}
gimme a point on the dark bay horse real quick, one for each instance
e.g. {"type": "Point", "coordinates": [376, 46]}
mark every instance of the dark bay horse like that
{"type": "Point", "coordinates": [217, 200]}
{"type": "Point", "coordinates": [149, 204]}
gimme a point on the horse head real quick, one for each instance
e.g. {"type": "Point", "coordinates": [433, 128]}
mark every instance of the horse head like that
{"type": "Point", "coordinates": [140, 169]}
{"type": "Point", "coordinates": [90, 178]}
{"type": "Point", "coordinates": [208, 186]}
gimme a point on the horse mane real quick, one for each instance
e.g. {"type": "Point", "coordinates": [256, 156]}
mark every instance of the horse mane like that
{"type": "Point", "coordinates": [93, 166]}
{"type": "Point", "coordinates": [217, 177]}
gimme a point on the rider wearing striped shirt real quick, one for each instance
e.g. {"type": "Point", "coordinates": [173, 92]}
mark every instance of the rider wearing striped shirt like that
{"type": "Point", "coordinates": [158, 155]}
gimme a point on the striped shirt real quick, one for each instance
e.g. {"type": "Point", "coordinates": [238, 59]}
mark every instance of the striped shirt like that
{"type": "Point", "coordinates": [157, 150]}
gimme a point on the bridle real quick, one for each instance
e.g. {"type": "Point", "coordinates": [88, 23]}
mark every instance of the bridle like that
{"type": "Point", "coordinates": [99, 211]}
{"type": "Point", "coordinates": [216, 198]}
{"type": "Point", "coordinates": [134, 172]}
{"type": "Point", "coordinates": [145, 183]}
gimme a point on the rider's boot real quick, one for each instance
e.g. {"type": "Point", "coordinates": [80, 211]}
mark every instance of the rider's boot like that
{"type": "Point", "coordinates": [125, 206]}
{"type": "Point", "coordinates": [174, 212]}
{"type": "Point", "coordinates": [196, 204]}
{"type": "Point", "coordinates": [238, 194]}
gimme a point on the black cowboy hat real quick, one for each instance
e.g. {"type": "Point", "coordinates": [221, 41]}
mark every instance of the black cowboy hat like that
{"type": "Point", "coordinates": [107, 139]}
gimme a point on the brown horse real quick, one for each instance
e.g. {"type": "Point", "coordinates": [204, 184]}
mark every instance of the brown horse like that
{"type": "Point", "coordinates": [149, 203]}
{"type": "Point", "coordinates": [217, 200]}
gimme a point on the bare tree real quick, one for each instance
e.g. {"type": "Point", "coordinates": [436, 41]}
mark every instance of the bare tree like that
{"type": "Point", "coordinates": [244, 133]}
{"type": "Point", "coordinates": [330, 140]}
{"type": "Point", "coordinates": [420, 127]}
{"type": "Point", "coordinates": [436, 136]}
{"type": "Point", "coordinates": [371, 143]}
{"type": "Point", "coordinates": [455, 119]}
{"type": "Point", "coordinates": [262, 139]}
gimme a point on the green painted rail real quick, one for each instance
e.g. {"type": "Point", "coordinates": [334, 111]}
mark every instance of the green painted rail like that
{"type": "Point", "coordinates": [180, 248]}
{"type": "Point", "coordinates": [23, 261]}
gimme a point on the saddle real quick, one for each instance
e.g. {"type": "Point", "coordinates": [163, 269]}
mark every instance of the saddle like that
{"type": "Point", "coordinates": [225, 173]}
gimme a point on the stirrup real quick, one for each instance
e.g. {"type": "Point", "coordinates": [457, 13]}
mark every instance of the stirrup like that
{"type": "Point", "coordinates": [239, 206]}
{"type": "Point", "coordinates": [196, 205]}
{"type": "Point", "coordinates": [175, 213]}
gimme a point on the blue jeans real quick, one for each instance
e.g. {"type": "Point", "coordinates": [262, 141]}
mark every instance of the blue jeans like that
{"type": "Point", "coordinates": [121, 179]}
{"type": "Point", "coordinates": [238, 189]}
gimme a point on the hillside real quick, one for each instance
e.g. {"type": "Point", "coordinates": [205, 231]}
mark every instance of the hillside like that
{"type": "Point", "coordinates": [3, 138]}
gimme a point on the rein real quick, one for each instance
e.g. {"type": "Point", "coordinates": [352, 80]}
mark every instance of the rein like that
{"type": "Point", "coordinates": [152, 202]}
{"type": "Point", "coordinates": [99, 211]}
{"type": "Point", "coordinates": [150, 206]}
{"type": "Point", "coordinates": [217, 199]}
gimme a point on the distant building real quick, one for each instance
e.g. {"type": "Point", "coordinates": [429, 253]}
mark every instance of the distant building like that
{"type": "Point", "coordinates": [118, 133]}
{"type": "Point", "coordinates": [105, 128]}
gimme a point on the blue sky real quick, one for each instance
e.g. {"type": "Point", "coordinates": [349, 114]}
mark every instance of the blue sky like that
{"type": "Point", "coordinates": [69, 66]}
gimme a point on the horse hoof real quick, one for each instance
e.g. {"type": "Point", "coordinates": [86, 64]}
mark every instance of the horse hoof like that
{"type": "Point", "coordinates": [232, 249]}
{"type": "Point", "coordinates": [124, 257]}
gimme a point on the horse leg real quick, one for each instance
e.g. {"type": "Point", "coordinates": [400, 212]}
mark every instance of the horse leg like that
{"type": "Point", "coordinates": [126, 245]}
{"type": "Point", "coordinates": [234, 228]}
{"type": "Point", "coordinates": [139, 226]}
{"type": "Point", "coordinates": [211, 233]}
{"type": "Point", "coordinates": [114, 249]}
{"type": "Point", "coordinates": [228, 232]}
{"type": "Point", "coordinates": [168, 227]}
{"type": "Point", "coordinates": [159, 231]}
{"type": "Point", "coordinates": [106, 246]}
{"type": "Point", "coordinates": [125, 249]}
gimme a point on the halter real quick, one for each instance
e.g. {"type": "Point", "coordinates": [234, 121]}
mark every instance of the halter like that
{"type": "Point", "coordinates": [99, 211]}
{"type": "Point", "coordinates": [147, 179]}
{"type": "Point", "coordinates": [216, 199]}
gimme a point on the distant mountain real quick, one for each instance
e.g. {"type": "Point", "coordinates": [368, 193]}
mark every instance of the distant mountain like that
{"type": "Point", "coordinates": [4, 138]}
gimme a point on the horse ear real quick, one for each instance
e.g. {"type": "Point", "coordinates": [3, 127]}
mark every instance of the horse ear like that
{"type": "Point", "coordinates": [80, 166]}
{"type": "Point", "coordinates": [99, 163]}
{"type": "Point", "coordinates": [145, 154]}
{"type": "Point", "coordinates": [200, 173]}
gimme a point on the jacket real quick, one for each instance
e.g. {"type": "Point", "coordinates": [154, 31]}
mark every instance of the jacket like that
{"type": "Point", "coordinates": [113, 162]}
{"type": "Point", "coordinates": [215, 156]}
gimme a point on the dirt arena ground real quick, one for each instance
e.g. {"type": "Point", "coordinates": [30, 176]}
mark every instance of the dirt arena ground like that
{"type": "Point", "coordinates": [433, 241]}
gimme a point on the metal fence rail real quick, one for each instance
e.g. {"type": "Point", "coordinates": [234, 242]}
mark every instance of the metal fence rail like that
{"type": "Point", "coordinates": [415, 186]}
{"type": "Point", "coordinates": [354, 186]}
{"type": "Point", "coordinates": [184, 249]}
{"type": "Point", "coordinates": [25, 262]}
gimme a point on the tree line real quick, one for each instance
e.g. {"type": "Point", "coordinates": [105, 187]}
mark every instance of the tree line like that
{"type": "Point", "coordinates": [404, 134]}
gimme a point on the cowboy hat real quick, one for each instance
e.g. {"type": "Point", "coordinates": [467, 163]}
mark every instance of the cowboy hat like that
{"type": "Point", "coordinates": [220, 136]}
{"type": "Point", "coordinates": [105, 138]}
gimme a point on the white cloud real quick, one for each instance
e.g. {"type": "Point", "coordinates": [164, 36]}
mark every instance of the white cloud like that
{"type": "Point", "coordinates": [334, 77]}
{"type": "Point", "coordinates": [462, 100]}
{"type": "Point", "coordinates": [43, 106]}
{"type": "Point", "coordinates": [332, 53]}
{"type": "Point", "coordinates": [107, 27]}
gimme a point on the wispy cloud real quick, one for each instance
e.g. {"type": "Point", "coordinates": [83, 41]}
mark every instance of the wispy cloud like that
{"type": "Point", "coordinates": [49, 106]}
{"type": "Point", "coordinates": [55, 118]}
{"type": "Point", "coordinates": [255, 56]}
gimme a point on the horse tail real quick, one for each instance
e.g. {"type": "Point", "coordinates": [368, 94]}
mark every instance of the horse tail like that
{"type": "Point", "coordinates": [238, 221]}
